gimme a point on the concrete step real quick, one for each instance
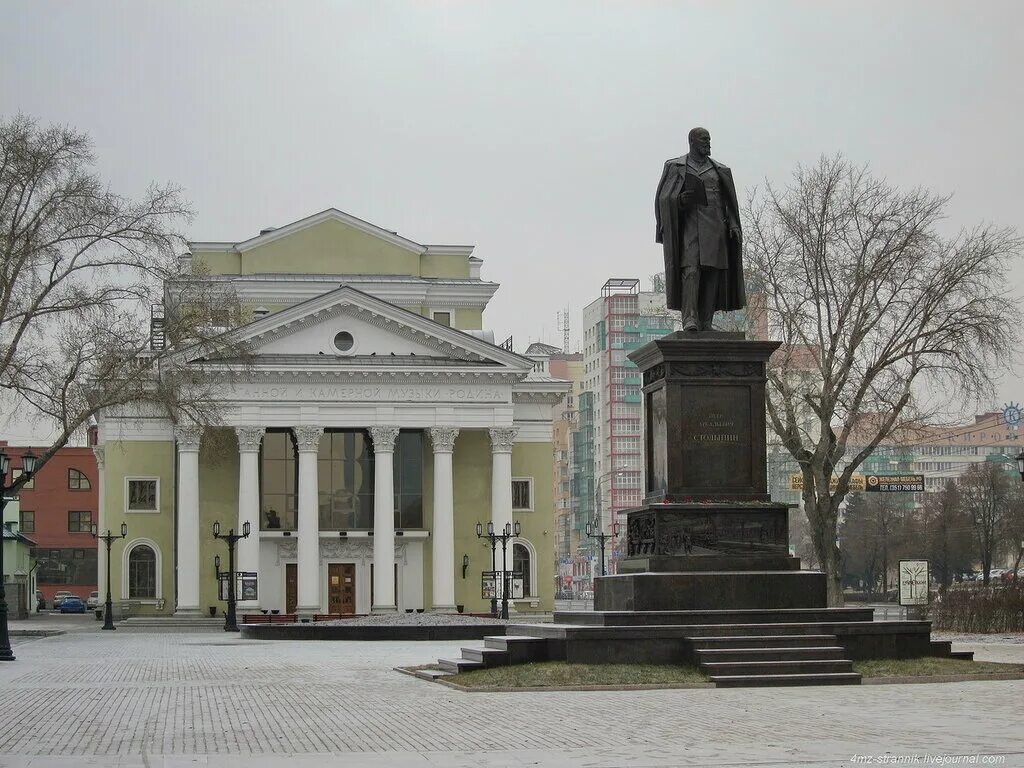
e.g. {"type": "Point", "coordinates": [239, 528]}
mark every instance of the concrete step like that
{"type": "Point", "coordinates": [455, 666]}
{"type": "Point", "coordinates": [798, 667]}
{"type": "Point", "coordinates": [712, 655]}
{"type": "Point", "coordinates": [753, 641]}
{"type": "Point", "coordinates": [519, 649]}
{"type": "Point", "coordinates": [489, 657]}
{"type": "Point", "coordinates": [749, 681]}
{"type": "Point", "coordinates": [965, 655]}
{"type": "Point", "coordinates": [432, 674]}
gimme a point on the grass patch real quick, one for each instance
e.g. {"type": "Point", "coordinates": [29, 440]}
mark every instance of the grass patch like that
{"type": "Point", "coordinates": [931, 665]}
{"type": "Point", "coordinates": [546, 674]}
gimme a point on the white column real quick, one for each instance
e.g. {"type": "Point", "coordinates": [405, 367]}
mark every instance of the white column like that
{"type": "Point", "coordinates": [502, 439]}
{"type": "Point", "coordinates": [101, 523]}
{"type": "Point", "coordinates": [249, 504]}
{"type": "Point", "coordinates": [383, 518]}
{"type": "Point", "coordinates": [308, 441]}
{"type": "Point", "coordinates": [443, 534]}
{"type": "Point", "coordinates": [187, 572]}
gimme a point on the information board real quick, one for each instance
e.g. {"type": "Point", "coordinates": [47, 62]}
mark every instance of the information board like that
{"type": "Point", "coordinates": [491, 585]}
{"type": "Point", "coordinates": [914, 582]}
{"type": "Point", "coordinates": [246, 585]}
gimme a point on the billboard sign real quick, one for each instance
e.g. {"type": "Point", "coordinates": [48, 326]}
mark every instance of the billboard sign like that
{"type": "Point", "coordinates": [895, 483]}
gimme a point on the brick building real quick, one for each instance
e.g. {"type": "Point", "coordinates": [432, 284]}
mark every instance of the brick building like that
{"type": "Point", "coordinates": [57, 509]}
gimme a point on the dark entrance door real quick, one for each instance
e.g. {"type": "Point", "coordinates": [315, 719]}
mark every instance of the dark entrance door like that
{"type": "Point", "coordinates": [341, 588]}
{"type": "Point", "coordinates": [291, 587]}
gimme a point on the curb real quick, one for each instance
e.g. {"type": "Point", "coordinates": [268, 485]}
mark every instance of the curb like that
{"type": "Point", "coordinates": [36, 632]}
{"type": "Point", "coordinates": [917, 679]}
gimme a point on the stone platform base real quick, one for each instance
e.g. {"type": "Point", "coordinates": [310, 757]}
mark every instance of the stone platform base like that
{"type": "Point", "coordinates": [732, 590]}
{"type": "Point", "coordinates": [740, 647]}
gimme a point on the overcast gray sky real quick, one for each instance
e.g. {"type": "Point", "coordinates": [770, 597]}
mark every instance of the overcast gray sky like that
{"type": "Point", "coordinates": [534, 130]}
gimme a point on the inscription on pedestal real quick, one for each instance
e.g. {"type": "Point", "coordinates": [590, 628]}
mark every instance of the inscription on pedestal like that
{"type": "Point", "coordinates": [715, 439]}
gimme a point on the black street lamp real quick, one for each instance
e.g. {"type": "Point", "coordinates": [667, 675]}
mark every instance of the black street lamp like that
{"type": "Point", "coordinates": [602, 537]}
{"type": "Point", "coordinates": [230, 622]}
{"type": "Point", "coordinates": [109, 538]}
{"type": "Point", "coordinates": [28, 468]}
{"type": "Point", "coordinates": [511, 531]}
{"type": "Point", "coordinates": [494, 543]}
{"type": "Point", "coordinates": [1020, 464]}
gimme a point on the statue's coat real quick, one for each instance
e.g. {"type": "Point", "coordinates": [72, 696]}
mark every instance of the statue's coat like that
{"type": "Point", "coordinates": [669, 218]}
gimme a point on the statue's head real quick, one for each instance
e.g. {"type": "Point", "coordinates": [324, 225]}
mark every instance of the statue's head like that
{"type": "Point", "coordinates": [700, 141]}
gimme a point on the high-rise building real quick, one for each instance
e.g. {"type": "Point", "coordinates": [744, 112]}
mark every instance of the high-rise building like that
{"type": "Point", "coordinates": [608, 445]}
{"type": "Point", "coordinates": [567, 366]}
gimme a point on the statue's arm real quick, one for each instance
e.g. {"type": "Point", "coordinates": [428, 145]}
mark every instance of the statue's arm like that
{"type": "Point", "coordinates": [657, 207]}
{"type": "Point", "coordinates": [734, 208]}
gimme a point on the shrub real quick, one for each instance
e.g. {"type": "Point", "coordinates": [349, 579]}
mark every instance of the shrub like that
{"type": "Point", "coordinates": [976, 608]}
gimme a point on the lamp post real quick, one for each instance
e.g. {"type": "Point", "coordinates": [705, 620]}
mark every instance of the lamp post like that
{"type": "Point", "coordinates": [602, 537]}
{"type": "Point", "coordinates": [109, 538]}
{"type": "Point", "coordinates": [510, 532]}
{"type": "Point", "coordinates": [28, 468]}
{"type": "Point", "coordinates": [232, 538]}
{"type": "Point", "coordinates": [494, 542]}
{"type": "Point", "coordinates": [599, 513]}
{"type": "Point", "coordinates": [1020, 464]}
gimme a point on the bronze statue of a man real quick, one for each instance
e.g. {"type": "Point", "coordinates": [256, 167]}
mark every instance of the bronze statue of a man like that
{"type": "Point", "coordinates": [699, 226]}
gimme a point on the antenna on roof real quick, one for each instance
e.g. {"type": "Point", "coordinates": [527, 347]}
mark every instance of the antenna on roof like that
{"type": "Point", "coordinates": [562, 324]}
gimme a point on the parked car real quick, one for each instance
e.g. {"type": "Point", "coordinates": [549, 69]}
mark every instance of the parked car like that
{"type": "Point", "coordinates": [40, 601]}
{"type": "Point", "coordinates": [72, 604]}
{"type": "Point", "coordinates": [93, 602]}
{"type": "Point", "coordinates": [58, 598]}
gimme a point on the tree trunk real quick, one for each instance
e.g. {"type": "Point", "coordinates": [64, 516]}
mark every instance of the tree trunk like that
{"type": "Point", "coordinates": [822, 522]}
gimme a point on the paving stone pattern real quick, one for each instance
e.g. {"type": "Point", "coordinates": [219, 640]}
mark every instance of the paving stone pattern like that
{"type": "Point", "coordinates": [95, 698]}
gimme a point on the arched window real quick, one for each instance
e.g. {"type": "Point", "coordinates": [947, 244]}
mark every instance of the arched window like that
{"type": "Point", "coordinates": [142, 573]}
{"type": "Point", "coordinates": [77, 481]}
{"type": "Point", "coordinates": [521, 563]}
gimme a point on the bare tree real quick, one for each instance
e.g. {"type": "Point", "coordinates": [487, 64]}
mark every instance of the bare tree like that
{"type": "Point", "coordinates": [987, 497]}
{"type": "Point", "coordinates": [874, 306]}
{"type": "Point", "coordinates": [80, 269]}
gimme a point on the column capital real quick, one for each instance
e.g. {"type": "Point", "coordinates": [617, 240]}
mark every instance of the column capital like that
{"type": "Point", "coordinates": [188, 436]}
{"type": "Point", "coordinates": [384, 437]}
{"type": "Point", "coordinates": [502, 438]}
{"type": "Point", "coordinates": [101, 455]}
{"type": "Point", "coordinates": [249, 439]}
{"type": "Point", "coordinates": [443, 438]}
{"type": "Point", "coordinates": [307, 437]}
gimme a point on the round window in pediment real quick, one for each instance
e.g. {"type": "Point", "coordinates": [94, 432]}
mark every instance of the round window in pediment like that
{"type": "Point", "coordinates": [343, 342]}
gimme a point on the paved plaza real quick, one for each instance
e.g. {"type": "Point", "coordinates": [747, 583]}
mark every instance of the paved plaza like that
{"type": "Point", "coordinates": [193, 699]}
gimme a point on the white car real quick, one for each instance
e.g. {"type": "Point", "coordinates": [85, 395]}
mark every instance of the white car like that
{"type": "Point", "coordinates": [58, 597]}
{"type": "Point", "coordinates": [93, 602]}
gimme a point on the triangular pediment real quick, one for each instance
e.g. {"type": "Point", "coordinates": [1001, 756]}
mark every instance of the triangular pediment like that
{"type": "Point", "coordinates": [347, 326]}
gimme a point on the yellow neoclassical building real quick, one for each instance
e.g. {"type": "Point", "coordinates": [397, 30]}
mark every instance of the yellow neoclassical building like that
{"type": "Point", "coordinates": [375, 425]}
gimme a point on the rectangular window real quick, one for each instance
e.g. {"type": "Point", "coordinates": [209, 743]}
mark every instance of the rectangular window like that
{"type": "Point", "coordinates": [80, 522]}
{"type": "Point", "coordinates": [522, 494]}
{"type": "Point", "coordinates": [27, 521]}
{"type": "Point", "coordinates": [141, 494]}
{"type": "Point", "coordinates": [408, 471]}
{"type": "Point", "coordinates": [444, 318]}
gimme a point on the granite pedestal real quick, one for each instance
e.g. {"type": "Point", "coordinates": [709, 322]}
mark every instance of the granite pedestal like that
{"type": "Point", "coordinates": [708, 535]}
